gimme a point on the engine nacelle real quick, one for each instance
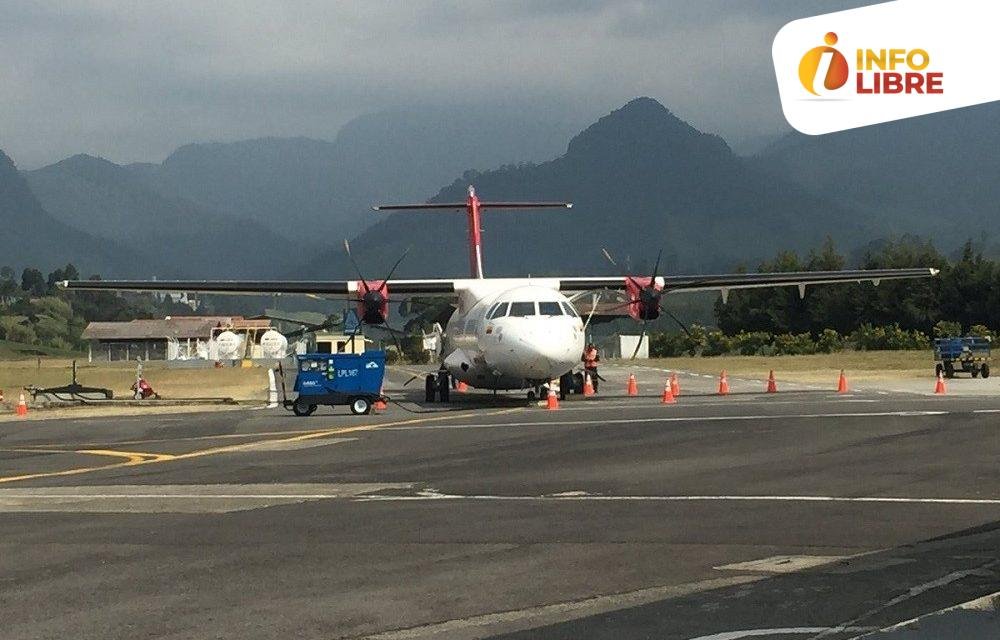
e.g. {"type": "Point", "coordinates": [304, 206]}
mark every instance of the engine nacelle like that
{"type": "Point", "coordinates": [644, 295]}
{"type": "Point", "coordinates": [373, 301]}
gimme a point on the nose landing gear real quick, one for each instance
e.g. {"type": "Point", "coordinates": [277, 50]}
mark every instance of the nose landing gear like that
{"type": "Point", "coordinates": [437, 385]}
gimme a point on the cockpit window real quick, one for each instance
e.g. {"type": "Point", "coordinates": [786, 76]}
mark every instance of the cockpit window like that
{"type": "Point", "coordinates": [522, 309]}
{"type": "Point", "coordinates": [498, 311]}
{"type": "Point", "coordinates": [570, 311]}
{"type": "Point", "coordinates": [549, 309]}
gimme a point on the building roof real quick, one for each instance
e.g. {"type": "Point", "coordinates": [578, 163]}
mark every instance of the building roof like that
{"type": "Point", "coordinates": [179, 327]}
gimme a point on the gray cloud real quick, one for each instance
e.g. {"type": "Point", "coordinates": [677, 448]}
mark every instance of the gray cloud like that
{"type": "Point", "coordinates": [131, 81]}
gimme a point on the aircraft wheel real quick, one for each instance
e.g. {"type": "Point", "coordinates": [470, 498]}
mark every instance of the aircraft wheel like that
{"type": "Point", "coordinates": [565, 384]}
{"type": "Point", "coordinates": [444, 386]}
{"type": "Point", "coordinates": [430, 387]}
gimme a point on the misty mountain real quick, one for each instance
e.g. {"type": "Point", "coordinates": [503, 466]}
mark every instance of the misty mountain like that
{"type": "Point", "coordinates": [640, 179]}
{"type": "Point", "coordinates": [175, 237]}
{"type": "Point", "coordinates": [320, 191]}
{"type": "Point", "coordinates": [934, 175]}
{"type": "Point", "coordinates": [31, 236]}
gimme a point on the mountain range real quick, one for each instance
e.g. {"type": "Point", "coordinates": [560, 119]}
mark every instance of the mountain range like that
{"type": "Point", "coordinates": [641, 179]}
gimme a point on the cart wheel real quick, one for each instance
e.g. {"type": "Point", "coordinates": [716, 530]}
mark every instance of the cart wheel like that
{"type": "Point", "coordinates": [430, 387]}
{"type": "Point", "coordinates": [303, 410]}
{"type": "Point", "coordinates": [985, 370]}
{"type": "Point", "coordinates": [938, 370]}
{"type": "Point", "coordinates": [360, 406]}
{"type": "Point", "coordinates": [949, 370]}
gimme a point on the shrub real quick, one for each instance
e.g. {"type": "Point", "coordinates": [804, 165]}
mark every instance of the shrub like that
{"type": "Point", "coordinates": [947, 329]}
{"type": "Point", "coordinates": [717, 344]}
{"type": "Point", "coordinates": [667, 345]}
{"type": "Point", "coordinates": [753, 343]}
{"type": "Point", "coordinates": [981, 331]}
{"type": "Point", "coordinates": [829, 341]}
{"type": "Point", "coordinates": [871, 338]}
{"type": "Point", "coordinates": [793, 344]}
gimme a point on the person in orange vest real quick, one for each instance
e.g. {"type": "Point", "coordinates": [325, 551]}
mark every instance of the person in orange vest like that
{"type": "Point", "coordinates": [590, 359]}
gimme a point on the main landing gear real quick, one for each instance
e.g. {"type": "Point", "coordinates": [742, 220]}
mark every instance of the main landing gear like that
{"type": "Point", "coordinates": [437, 385]}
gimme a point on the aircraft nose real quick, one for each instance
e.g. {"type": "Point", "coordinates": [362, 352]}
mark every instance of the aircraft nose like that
{"type": "Point", "coordinates": [548, 353]}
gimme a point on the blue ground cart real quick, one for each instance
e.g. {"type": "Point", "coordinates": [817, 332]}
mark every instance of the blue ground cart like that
{"type": "Point", "coordinates": [334, 379]}
{"type": "Point", "coordinates": [971, 355]}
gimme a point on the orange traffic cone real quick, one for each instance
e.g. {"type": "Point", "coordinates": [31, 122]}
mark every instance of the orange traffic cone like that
{"type": "Point", "coordinates": [588, 385]}
{"type": "Point", "coordinates": [668, 395]}
{"type": "Point", "coordinates": [939, 388]}
{"type": "Point", "coordinates": [380, 404]}
{"type": "Point", "coordinates": [723, 383]}
{"type": "Point", "coordinates": [552, 402]}
{"type": "Point", "coordinates": [22, 406]}
{"type": "Point", "coordinates": [462, 387]}
{"type": "Point", "coordinates": [772, 385]}
{"type": "Point", "coordinates": [675, 387]}
{"type": "Point", "coordinates": [632, 389]}
{"type": "Point", "coordinates": [842, 383]}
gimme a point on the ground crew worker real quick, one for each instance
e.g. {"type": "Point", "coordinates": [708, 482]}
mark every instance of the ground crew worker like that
{"type": "Point", "coordinates": [590, 359]}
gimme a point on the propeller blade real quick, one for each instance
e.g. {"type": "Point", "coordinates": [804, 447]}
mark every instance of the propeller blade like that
{"type": "Point", "coordinates": [638, 344]}
{"type": "Point", "coordinates": [675, 319]}
{"type": "Point", "coordinates": [392, 271]}
{"type": "Point", "coordinates": [656, 268]}
{"type": "Point", "coordinates": [357, 269]}
{"type": "Point", "coordinates": [615, 264]}
{"type": "Point", "coordinates": [610, 259]}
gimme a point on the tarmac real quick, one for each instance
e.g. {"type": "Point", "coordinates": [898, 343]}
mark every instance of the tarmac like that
{"type": "Point", "coordinates": [801, 514]}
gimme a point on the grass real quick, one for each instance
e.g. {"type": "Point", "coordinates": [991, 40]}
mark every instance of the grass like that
{"type": "Point", "coordinates": [229, 382]}
{"type": "Point", "coordinates": [821, 367]}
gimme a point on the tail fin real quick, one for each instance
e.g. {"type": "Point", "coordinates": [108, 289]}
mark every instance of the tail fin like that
{"type": "Point", "coordinates": [473, 208]}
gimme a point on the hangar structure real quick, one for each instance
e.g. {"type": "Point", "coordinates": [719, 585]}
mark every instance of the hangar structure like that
{"type": "Point", "coordinates": [174, 338]}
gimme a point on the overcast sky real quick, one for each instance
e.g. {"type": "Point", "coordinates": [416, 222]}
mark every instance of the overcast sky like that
{"type": "Point", "coordinates": [131, 81]}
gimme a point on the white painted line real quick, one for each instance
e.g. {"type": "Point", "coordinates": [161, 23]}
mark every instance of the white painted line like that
{"type": "Point", "coordinates": [782, 631]}
{"type": "Point", "coordinates": [490, 624]}
{"type": "Point", "coordinates": [431, 494]}
{"type": "Point", "coordinates": [777, 416]}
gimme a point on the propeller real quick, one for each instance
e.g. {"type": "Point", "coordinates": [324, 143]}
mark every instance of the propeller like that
{"type": "Point", "coordinates": [373, 300]}
{"type": "Point", "coordinates": [649, 299]}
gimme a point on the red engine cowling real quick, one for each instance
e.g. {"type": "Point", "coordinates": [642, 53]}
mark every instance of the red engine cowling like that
{"type": "Point", "coordinates": [644, 296]}
{"type": "Point", "coordinates": [373, 301]}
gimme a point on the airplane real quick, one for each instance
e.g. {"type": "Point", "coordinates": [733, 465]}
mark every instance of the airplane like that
{"type": "Point", "coordinates": [506, 333]}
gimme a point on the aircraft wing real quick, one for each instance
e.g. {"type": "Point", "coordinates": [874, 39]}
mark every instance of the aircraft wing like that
{"type": "Point", "coordinates": [261, 287]}
{"type": "Point", "coordinates": [726, 282]}
{"type": "Point", "coordinates": [449, 287]}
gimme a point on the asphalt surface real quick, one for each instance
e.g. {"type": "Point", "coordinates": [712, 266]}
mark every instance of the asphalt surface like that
{"type": "Point", "coordinates": [807, 513]}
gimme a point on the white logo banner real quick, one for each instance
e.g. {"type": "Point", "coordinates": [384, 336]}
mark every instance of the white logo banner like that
{"type": "Point", "coordinates": [887, 62]}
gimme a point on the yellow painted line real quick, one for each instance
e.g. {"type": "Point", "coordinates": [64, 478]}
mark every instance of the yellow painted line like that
{"type": "Point", "coordinates": [133, 459]}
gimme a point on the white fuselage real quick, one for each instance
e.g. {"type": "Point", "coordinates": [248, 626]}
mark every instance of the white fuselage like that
{"type": "Point", "coordinates": [512, 333]}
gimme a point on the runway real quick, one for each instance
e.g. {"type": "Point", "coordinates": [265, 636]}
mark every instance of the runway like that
{"type": "Point", "coordinates": [801, 514]}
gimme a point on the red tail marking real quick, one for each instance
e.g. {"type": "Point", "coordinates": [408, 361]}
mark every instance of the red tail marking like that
{"type": "Point", "coordinates": [475, 235]}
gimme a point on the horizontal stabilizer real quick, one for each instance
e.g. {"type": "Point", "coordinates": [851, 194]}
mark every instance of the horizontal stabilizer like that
{"type": "Point", "coordinates": [462, 206]}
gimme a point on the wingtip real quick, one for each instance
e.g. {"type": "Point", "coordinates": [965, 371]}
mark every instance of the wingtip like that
{"type": "Point", "coordinates": [934, 271]}
{"type": "Point", "coordinates": [569, 205]}
{"type": "Point", "coordinates": [63, 284]}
